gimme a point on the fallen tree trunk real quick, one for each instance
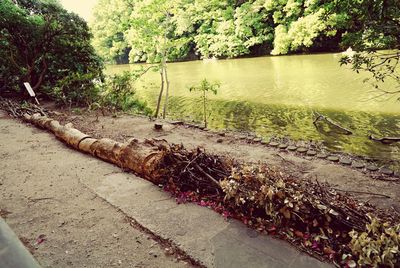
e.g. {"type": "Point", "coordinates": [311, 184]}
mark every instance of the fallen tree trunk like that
{"type": "Point", "coordinates": [154, 160]}
{"type": "Point", "coordinates": [143, 158]}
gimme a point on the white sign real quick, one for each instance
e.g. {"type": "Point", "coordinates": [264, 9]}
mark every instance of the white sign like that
{"type": "Point", "coordinates": [30, 90]}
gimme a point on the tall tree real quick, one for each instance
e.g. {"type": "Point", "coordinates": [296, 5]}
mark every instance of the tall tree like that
{"type": "Point", "coordinates": [41, 43]}
{"type": "Point", "coordinates": [109, 29]}
{"type": "Point", "coordinates": [149, 35]}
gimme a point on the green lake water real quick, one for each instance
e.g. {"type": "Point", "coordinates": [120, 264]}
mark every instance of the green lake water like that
{"type": "Point", "coordinates": [276, 96]}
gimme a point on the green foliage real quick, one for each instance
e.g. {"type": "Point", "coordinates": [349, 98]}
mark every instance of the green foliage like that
{"type": "Point", "coordinates": [140, 30]}
{"type": "Point", "coordinates": [216, 28]}
{"type": "Point", "coordinates": [378, 29]}
{"type": "Point", "coordinates": [43, 44]}
{"type": "Point", "coordinates": [110, 28]}
{"type": "Point", "coordinates": [378, 246]}
{"type": "Point", "coordinates": [205, 87]}
{"type": "Point", "coordinates": [119, 93]}
{"type": "Point", "coordinates": [227, 28]}
{"type": "Point", "coordinates": [75, 89]}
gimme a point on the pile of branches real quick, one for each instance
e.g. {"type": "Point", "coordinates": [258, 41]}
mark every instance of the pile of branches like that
{"type": "Point", "coordinates": [17, 110]}
{"type": "Point", "coordinates": [311, 215]}
{"type": "Point", "coordinates": [194, 170]}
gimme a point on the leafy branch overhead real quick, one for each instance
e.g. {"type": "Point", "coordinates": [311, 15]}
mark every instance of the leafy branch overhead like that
{"type": "Point", "coordinates": [383, 67]}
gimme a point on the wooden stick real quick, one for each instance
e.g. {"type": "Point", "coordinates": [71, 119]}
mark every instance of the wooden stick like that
{"type": "Point", "coordinates": [208, 176]}
{"type": "Point", "coordinates": [385, 140]}
{"type": "Point", "coordinates": [330, 121]}
{"type": "Point", "coordinates": [361, 192]}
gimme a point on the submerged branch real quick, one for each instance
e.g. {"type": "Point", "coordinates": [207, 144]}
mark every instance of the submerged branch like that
{"type": "Point", "coordinates": [331, 122]}
{"type": "Point", "coordinates": [386, 140]}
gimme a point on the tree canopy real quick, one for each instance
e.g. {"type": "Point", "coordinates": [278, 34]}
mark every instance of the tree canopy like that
{"type": "Point", "coordinates": [232, 28]}
{"type": "Point", "coordinates": [47, 46]}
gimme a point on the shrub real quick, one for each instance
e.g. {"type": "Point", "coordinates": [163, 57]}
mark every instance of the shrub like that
{"type": "Point", "coordinates": [76, 89]}
{"type": "Point", "coordinates": [204, 87]}
{"type": "Point", "coordinates": [119, 93]}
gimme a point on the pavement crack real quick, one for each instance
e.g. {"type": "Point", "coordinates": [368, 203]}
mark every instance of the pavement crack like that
{"type": "Point", "coordinates": [175, 250]}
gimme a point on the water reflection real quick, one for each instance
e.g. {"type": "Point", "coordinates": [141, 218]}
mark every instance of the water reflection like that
{"type": "Point", "coordinates": [277, 96]}
{"type": "Point", "coordinates": [297, 123]}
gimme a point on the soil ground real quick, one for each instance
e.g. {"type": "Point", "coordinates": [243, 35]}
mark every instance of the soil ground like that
{"type": "Point", "coordinates": [62, 222]}
{"type": "Point", "coordinates": [363, 186]}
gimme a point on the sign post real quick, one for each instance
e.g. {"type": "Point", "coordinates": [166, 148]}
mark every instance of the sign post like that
{"type": "Point", "coordinates": [31, 92]}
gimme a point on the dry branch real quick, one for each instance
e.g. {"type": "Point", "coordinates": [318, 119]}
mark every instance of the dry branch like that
{"type": "Point", "coordinates": [16, 110]}
{"type": "Point", "coordinates": [331, 122]}
{"type": "Point", "coordinates": [385, 140]}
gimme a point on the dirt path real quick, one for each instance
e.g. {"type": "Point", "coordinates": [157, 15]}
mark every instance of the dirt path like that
{"type": "Point", "coordinates": [65, 224]}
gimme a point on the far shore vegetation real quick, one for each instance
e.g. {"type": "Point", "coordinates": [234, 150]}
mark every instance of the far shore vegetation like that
{"type": "Point", "coordinates": [64, 59]}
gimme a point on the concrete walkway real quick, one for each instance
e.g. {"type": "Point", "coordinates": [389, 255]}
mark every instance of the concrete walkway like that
{"type": "Point", "coordinates": [200, 232]}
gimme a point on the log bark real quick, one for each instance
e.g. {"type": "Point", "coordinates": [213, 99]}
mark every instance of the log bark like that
{"type": "Point", "coordinates": [108, 150]}
{"type": "Point", "coordinates": [143, 158]}
{"type": "Point", "coordinates": [88, 145]}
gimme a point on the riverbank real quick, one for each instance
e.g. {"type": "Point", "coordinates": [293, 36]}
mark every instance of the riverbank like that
{"type": "Point", "coordinates": [347, 173]}
{"type": "Point", "coordinates": [277, 96]}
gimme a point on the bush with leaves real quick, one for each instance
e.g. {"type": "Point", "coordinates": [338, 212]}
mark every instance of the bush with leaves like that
{"type": "Point", "coordinates": [45, 45]}
{"type": "Point", "coordinates": [76, 89]}
{"type": "Point", "coordinates": [119, 93]}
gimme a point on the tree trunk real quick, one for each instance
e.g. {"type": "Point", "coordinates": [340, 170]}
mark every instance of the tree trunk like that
{"type": "Point", "coordinates": [161, 92]}
{"type": "Point", "coordinates": [205, 108]}
{"type": "Point", "coordinates": [39, 82]}
{"type": "Point", "coordinates": [166, 92]}
{"type": "Point", "coordinates": [141, 157]}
